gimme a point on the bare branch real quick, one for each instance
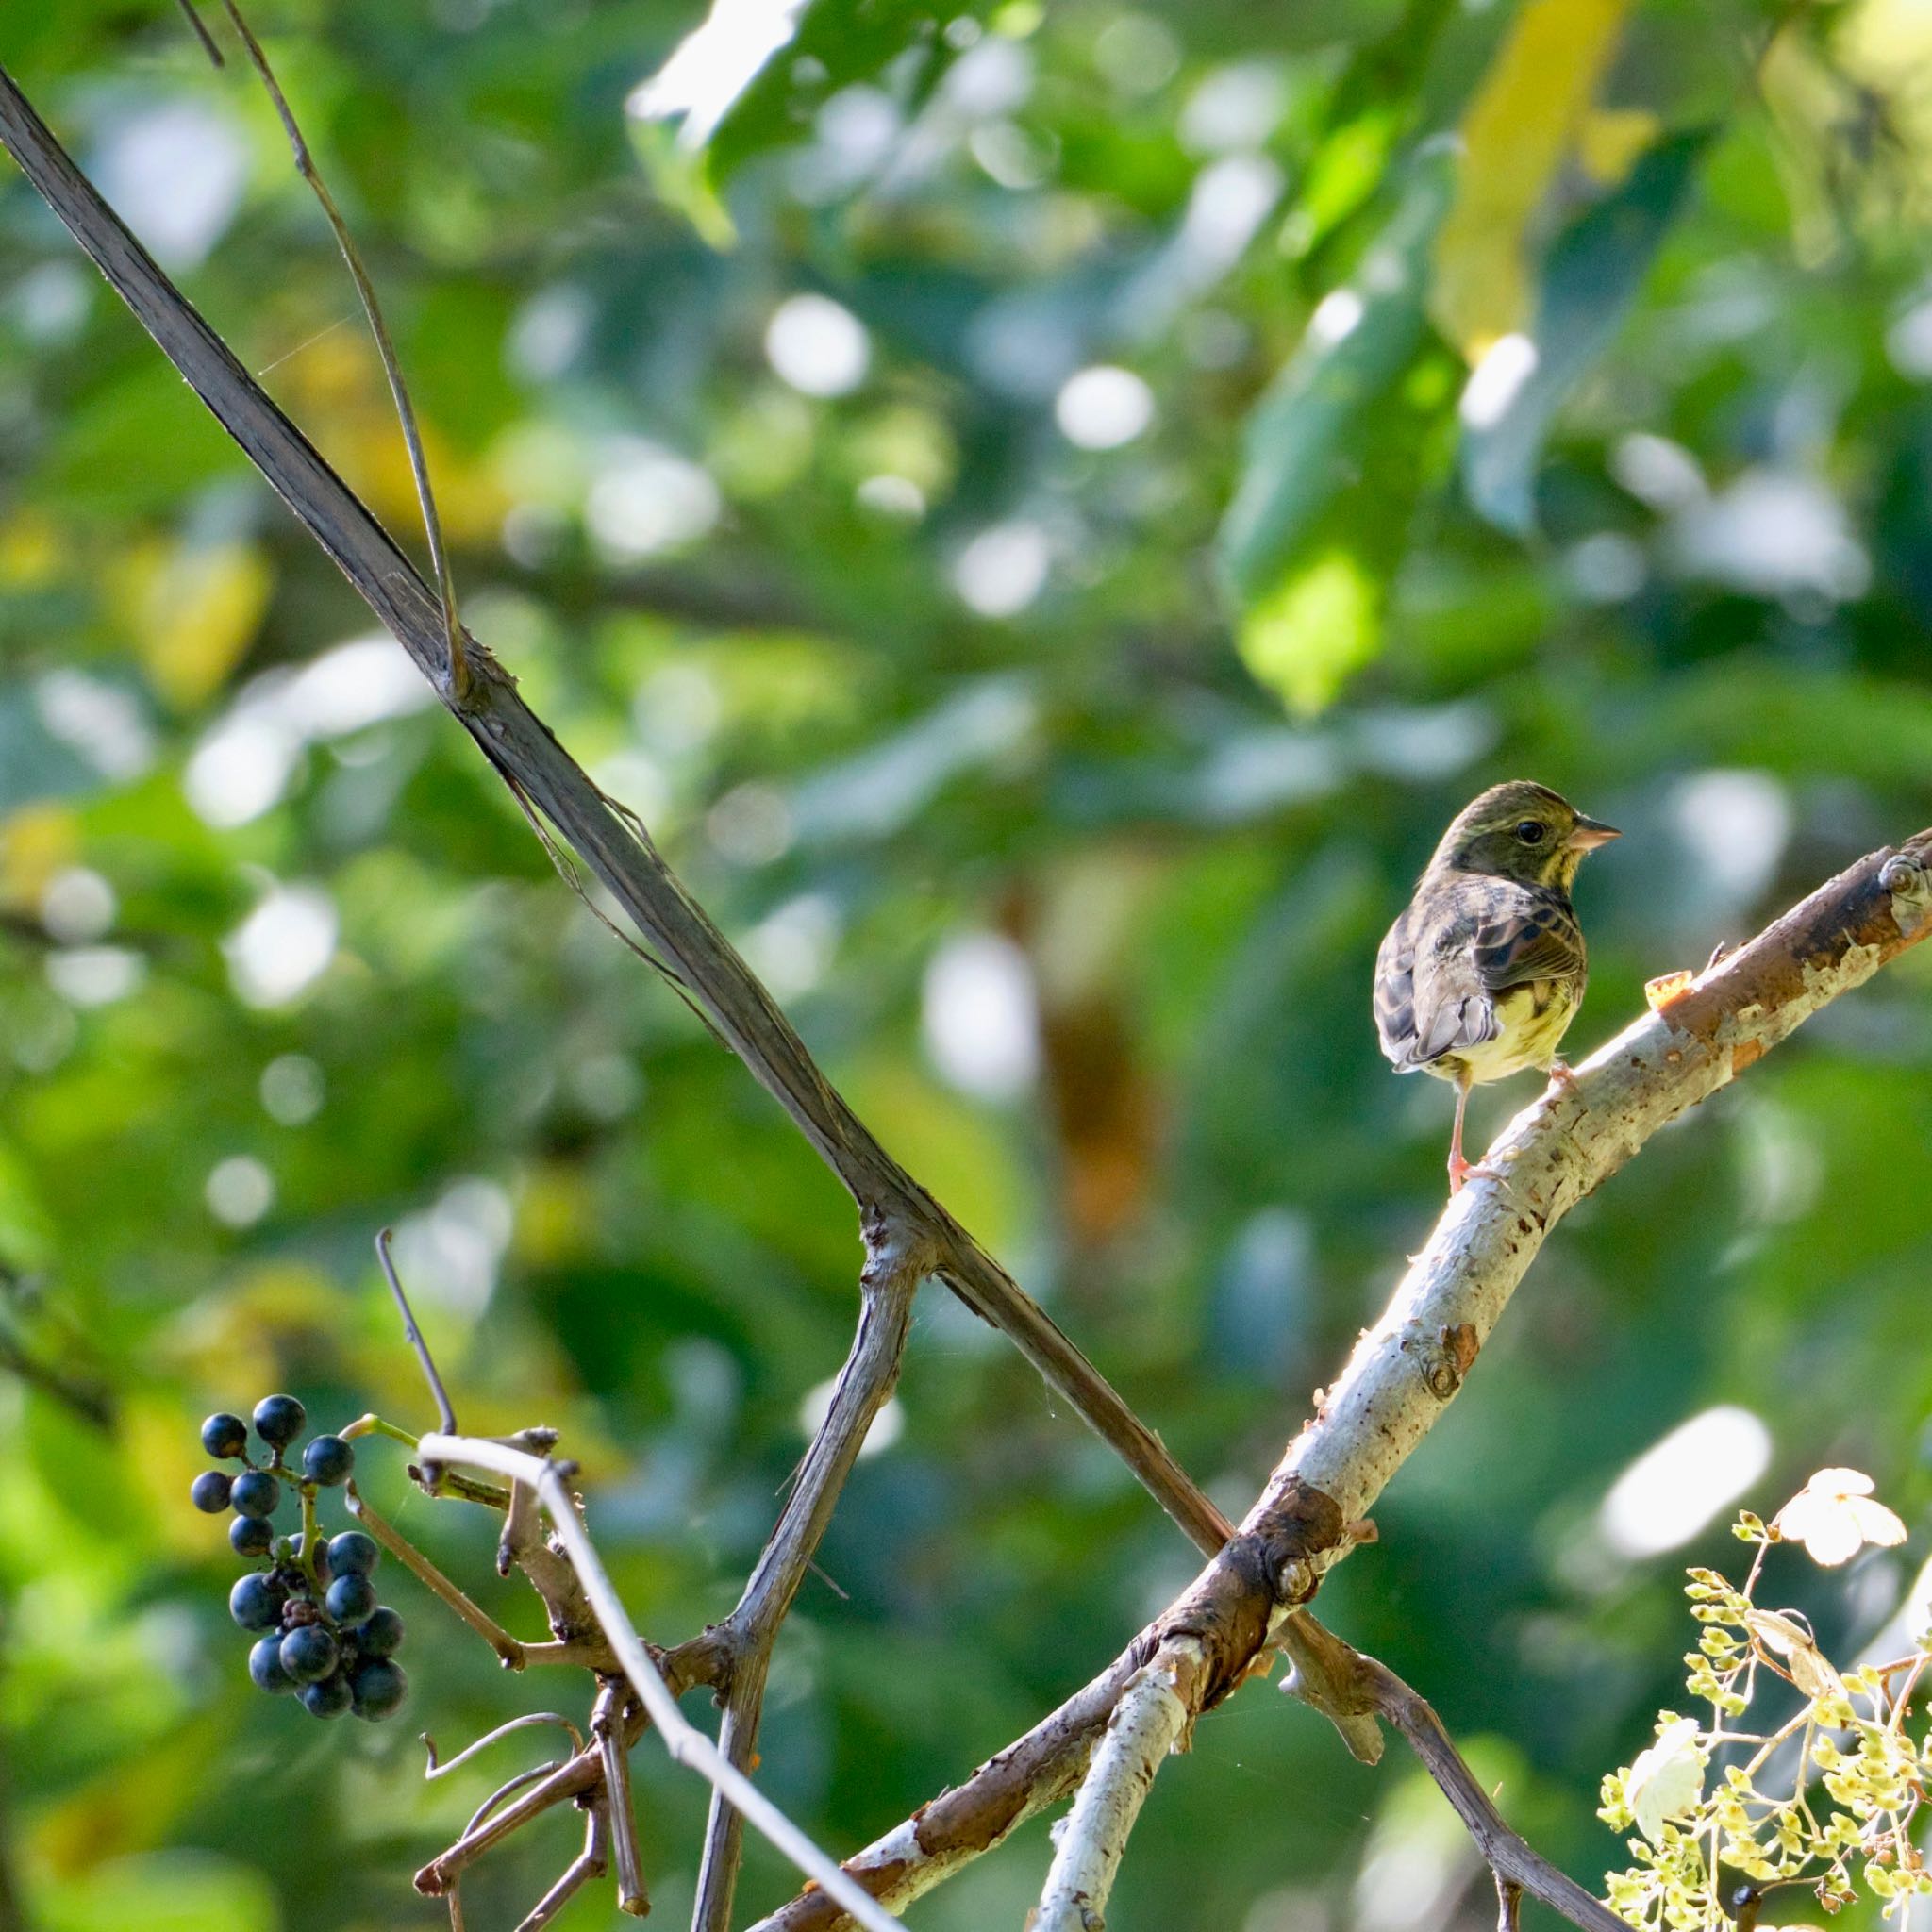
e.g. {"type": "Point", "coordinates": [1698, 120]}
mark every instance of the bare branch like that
{"type": "Point", "coordinates": [576, 1777]}
{"type": "Point", "coordinates": [528, 755]}
{"type": "Point", "coordinates": [456, 666]}
{"type": "Point", "coordinates": [886, 1289]}
{"type": "Point", "coordinates": [90, 1401]}
{"type": "Point", "coordinates": [1152, 1718]}
{"type": "Point", "coordinates": [414, 1335]}
{"type": "Point", "coordinates": [1405, 1372]}
{"type": "Point", "coordinates": [426, 1572]}
{"type": "Point", "coordinates": [686, 1744]}
{"type": "Point", "coordinates": [608, 1728]}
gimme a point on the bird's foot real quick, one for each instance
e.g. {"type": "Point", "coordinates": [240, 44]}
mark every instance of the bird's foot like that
{"type": "Point", "coordinates": [1562, 1076]}
{"type": "Point", "coordinates": [1461, 1171]}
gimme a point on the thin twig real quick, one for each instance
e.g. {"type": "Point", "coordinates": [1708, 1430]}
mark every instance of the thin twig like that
{"type": "Point", "coordinates": [686, 1744]}
{"type": "Point", "coordinates": [507, 1647]}
{"type": "Point", "coordinates": [195, 20]}
{"type": "Point", "coordinates": [1515, 1862]}
{"type": "Point", "coordinates": [632, 1895]}
{"type": "Point", "coordinates": [589, 1863]}
{"type": "Point", "coordinates": [508, 1788]}
{"type": "Point", "coordinates": [414, 1335]}
{"type": "Point", "coordinates": [441, 1767]}
{"type": "Point", "coordinates": [458, 659]}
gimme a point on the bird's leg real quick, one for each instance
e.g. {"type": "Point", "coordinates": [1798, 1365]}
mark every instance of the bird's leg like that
{"type": "Point", "coordinates": [1562, 1073]}
{"type": "Point", "coordinates": [1459, 1169]}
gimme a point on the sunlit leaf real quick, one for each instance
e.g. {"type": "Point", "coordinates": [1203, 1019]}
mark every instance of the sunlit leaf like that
{"type": "Point", "coordinates": [1517, 133]}
{"type": "Point", "coordinates": [1358, 342]}
{"type": "Point", "coordinates": [1592, 276]}
{"type": "Point", "coordinates": [1303, 639]}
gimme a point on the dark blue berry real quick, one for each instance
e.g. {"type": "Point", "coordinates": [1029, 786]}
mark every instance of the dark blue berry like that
{"type": "Point", "coordinates": [209, 1492]}
{"type": "Point", "coordinates": [380, 1634]}
{"type": "Point", "coordinates": [224, 1436]}
{"type": "Point", "coordinates": [251, 1536]}
{"type": "Point", "coordinates": [353, 1553]}
{"type": "Point", "coordinates": [255, 1492]}
{"type": "Point", "coordinates": [327, 1461]}
{"type": "Point", "coordinates": [350, 1599]}
{"type": "Point", "coordinates": [308, 1654]}
{"type": "Point", "coordinates": [265, 1665]}
{"type": "Point", "coordinates": [329, 1698]}
{"type": "Point", "coordinates": [256, 1603]}
{"type": "Point", "coordinates": [279, 1419]}
{"type": "Point", "coordinates": [378, 1688]}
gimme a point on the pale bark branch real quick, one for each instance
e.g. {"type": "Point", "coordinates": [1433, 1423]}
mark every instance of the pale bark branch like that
{"type": "Point", "coordinates": [1151, 1718]}
{"type": "Point", "coordinates": [1405, 1372]}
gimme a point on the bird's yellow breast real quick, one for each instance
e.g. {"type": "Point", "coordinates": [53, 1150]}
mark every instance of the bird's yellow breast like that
{"type": "Point", "coordinates": [1534, 1020]}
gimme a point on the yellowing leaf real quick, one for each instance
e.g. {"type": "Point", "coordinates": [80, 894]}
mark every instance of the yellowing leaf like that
{"type": "Point", "coordinates": [1304, 639]}
{"type": "Point", "coordinates": [1609, 139]}
{"type": "Point", "coordinates": [30, 551]}
{"type": "Point", "coordinates": [1524, 122]}
{"type": "Point", "coordinates": [36, 841]}
{"type": "Point", "coordinates": [194, 610]}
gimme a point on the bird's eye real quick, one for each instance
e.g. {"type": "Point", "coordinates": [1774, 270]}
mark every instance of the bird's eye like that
{"type": "Point", "coordinates": [1531, 831]}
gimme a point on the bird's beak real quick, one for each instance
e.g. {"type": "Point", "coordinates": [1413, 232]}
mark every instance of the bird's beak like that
{"type": "Point", "coordinates": [1589, 834]}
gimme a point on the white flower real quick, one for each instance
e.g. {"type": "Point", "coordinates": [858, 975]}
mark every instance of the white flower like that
{"type": "Point", "coordinates": [1834, 1517]}
{"type": "Point", "coordinates": [1667, 1781]}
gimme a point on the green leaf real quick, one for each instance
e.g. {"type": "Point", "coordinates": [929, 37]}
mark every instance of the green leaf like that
{"type": "Point", "coordinates": [1358, 343]}
{"type": "Point", "coordinates": [162, 1891]}
{"type": "Point", "coordinates": [1304, 639]}
{"type": "Point", "coordinates": [837, 43]}
{"type": "Point", "coordinates": [1593, 275]}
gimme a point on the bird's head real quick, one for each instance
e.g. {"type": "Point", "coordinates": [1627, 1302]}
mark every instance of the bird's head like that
{"type": "Point", "coordinates": [1521, 831]}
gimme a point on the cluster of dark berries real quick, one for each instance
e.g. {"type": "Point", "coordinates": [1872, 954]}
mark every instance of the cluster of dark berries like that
{"type": "Point", "coordinates": [324, 1637]}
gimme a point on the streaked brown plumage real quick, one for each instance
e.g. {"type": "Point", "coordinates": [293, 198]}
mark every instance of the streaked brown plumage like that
{"type": "Point", "coordinates": [1483, 972]}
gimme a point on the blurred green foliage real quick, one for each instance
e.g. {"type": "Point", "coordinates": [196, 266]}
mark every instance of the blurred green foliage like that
{"type": "Point", "coordinates": [1045, 517]}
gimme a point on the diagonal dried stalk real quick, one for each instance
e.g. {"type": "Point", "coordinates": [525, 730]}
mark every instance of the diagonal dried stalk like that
{"type": "Point", "coordinates": [1405, 1372]}
{"type": "Point", "coordinates": [523, 749]}
{"type": "Point", "coordinates": [899, 1218]}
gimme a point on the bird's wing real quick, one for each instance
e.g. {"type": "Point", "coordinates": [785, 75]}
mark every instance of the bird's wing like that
{"type": "Point", "coordinates": [1396, 994]}
{"type": "Point", "coordinates": [1462, 942]}
{"type": "Point", "coordinates": [1528, 935]}
{"type": "Point", "coordinates": [1428, 1000]}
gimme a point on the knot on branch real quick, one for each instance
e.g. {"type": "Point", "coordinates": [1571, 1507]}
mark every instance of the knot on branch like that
{"type": "Point", "coordinates": [1269, 1564]}
{"type": "Point", "coordinates": [1444, 1364]}
{"type": "Point", "coordinates": [1907, 876]}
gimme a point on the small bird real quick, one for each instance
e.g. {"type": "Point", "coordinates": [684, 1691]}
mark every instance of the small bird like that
{"type": "Point", "coordinates": [1483, 972]}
